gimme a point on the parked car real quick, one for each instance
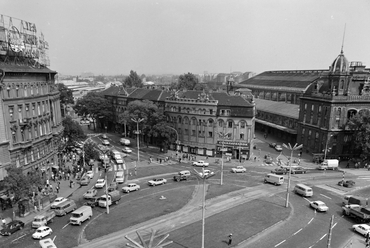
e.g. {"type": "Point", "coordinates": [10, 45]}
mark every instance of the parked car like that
{"type": "Point", "coordinates": [90, 193]}
{"type": "Point", "coordinates": [200, 163]}
{"type": "Point", "coordinates": [105, 142]}
{"type": "Point", "coordinates": [126, 149]}
{"type": "Point", "coordinates": [104, 136]}
{"type": "Point", "coordinates": [319, 206]}
{"type": "Point", "coordinates": [90, 174]}
{"type": "Point", "coordinates": [42, 232]}
{"type": "Point", "coordinates": [92, 202]}
{"type": "Point", "coordinates": [238, 169]}
{"type": "Point", "coordinates": [298, 170]}
{"type": "Point", "coordinates": [100, 183]}
{"type": "Point", "coordinates": [12, 227]}
{"type": "Point", "coordinates": [130, 187]}
{"type": "Point", "coordinates": [278, 148]}
{"type": "Point", "coordinates": [280, 171]}
{"type": "Point", "coordinates": [57, 201]}
{"type": "Point", "coordinates": [347, 184]}
{"type": "Point", "coordinates": [363, 229]}
{"type": "Point", "coordinates": [84, 181]}
{"type": "Point", "coordinates": [157, 181]}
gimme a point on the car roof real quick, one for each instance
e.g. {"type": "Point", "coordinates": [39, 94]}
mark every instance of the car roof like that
{"type": "Point", "coordinates": [319, 202]}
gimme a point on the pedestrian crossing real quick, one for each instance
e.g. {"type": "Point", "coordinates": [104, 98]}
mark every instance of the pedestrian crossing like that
{"type": "Point", "coordinates": [367, 178]}
{"type": "Point", "coordinates": [272, 164]}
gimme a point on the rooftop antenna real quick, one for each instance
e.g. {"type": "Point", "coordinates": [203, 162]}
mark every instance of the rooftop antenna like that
{"type": "Point", "coordinates": [344, 34]}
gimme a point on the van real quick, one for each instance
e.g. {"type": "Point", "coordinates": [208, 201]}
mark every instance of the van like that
{"type": "Point", "coordinates": [80, 215]}
{"type": "Point", "coordinates": [184, 173]}
{"type": "Point", "coordinates": [354, 200]}
{"type": "Point", "coordinates": [119, 176]}
{"type": "Point", "coordinates": [65, 207]}
{"type": "Point", "coordinates": [329, 164]}
{"type": "Point", "coordinates": [303, 190]}
{"type": "Point", "coordinates": [274, 179]}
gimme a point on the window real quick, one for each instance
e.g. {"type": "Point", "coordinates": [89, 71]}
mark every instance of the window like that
{"type": "Point", "coordinates": [20, 117]}
{"type": "Point", "coordinates": [211, 111]}
{"type": "Point", "coordinates": [228, 112]}
{"type": "Point", "coordinates": [33, 109]}
{"type": "Point", "coordinates": [31, 89]}
{"type": "Point", "coordinates": [220, 123]}
{"type": "Point", "coordinates": [43, 107]}
{"type": "Point", "coordinates": [40, 127]}
{"type": "Point", "coordinates": [194, 122]}
{"type": "Point", "coordinates": [186, 131]}
{"type": "Point", "coordinates": [32, 156]}
{"type": "Point", "coordinates": [229, 124]}
{"type": "Point", "coordinates": [222, 112]}
{"type": "Point", "coordinates": [27, 110]}
{"type": "Point", "coordinates": [17, 91]}
{"type": "Point", "coordinates": [25, 89]}
{"type": "Point", "coordinates": [193, 132]}
{"type": "Point", "coordinates": [200, 133]}
{"type": "Point", "coordinates": [242, 136]}
{"type": "Point", "coordinates": [210, 134]}
{"type": "Point", "coordinates": [242, 125]}
{"type": "Point", "coordinates": [22, 134]}
{"type": "Point", "coordinates": [14, 136]}
{"type": "Point", "coordinates": [25, 158]}
{"type": "Point", "coordinates": [8, 90]}
{"type": "Point", "coordinates": [35, 131]}
{"type": "Point", "coordinates": [11, 112]}
{"type": "Point", "coordinates": [29, 133]}
{"type": "Point", "coordinates": [39, 108]}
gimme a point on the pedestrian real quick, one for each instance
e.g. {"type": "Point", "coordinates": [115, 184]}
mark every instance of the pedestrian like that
{"type": "Point", "coordinates": [230, 239]}
{"type": "Point", "coordinates": [3, 221]}
{"type": "Point", "coordinates": [347, 165]}
{"type": "Point", "coordinates": [57, 188]}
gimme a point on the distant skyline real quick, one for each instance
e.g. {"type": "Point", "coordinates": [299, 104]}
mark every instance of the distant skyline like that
{"type": "Point", "coordinates": [179, 36]}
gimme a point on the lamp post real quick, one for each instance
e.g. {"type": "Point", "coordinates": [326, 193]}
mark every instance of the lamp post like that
{"type": "Point", "coordinates": [177, 136]}
{"type": "Point", "coordinates": [105, 170]}
{"type": "Point", "coordinates": [292, 149]}
{"type": "Point", "coordinates": [222, 135]}
{"type": "Point", "coordinates": [137, 120]}
{"type": "Point", "coordinates": [327, 143]}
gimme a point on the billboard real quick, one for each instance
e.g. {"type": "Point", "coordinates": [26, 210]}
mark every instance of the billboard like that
{"type": "Point", "coordinates": [19, 38]}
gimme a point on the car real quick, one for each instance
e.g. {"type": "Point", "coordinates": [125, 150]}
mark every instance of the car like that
{"type": "Point", "coordinates": [57, 201]}
{"type": "Point", "coordinates": [90, 193]}
{"type": "Point", "coordinates": [278, 148]}
{"type": "Point", "coordinates": [12, 227]}
{"type": "Point", "coordinates": [105, 142]}
{"type": "Point", "coordinates": [298, 170]}
{"type": "Point", "coordinates": [47, 243]}
{"type": "Point", "coordinates": [84, 181]}
{"type": "Point", "coordinates": [157, 181]}
{"type": "Point", "coordinates": [104, 136]}
{"type": "Point", "coordinates": [125, 142]}
{"type": "Point", "coordinates": [100, 183]}
{"type": "Point", "coordinates": [268, 160]}
{"type": "Point", "coordinates": [272, 145]}
{"type": "Point", "coordinates": [319, 206]}
{"type": "Point", "coordinates": [200, 163]}
{"type": "Point", "coordinates": [207, 173]}
{"type": "Point", "coordinates": [126, 149]}
{"type": "Point", "coordinates": [361, 228]}
{"type": "Point", "coordinates": [280, 171]}
{"type": "Point", "coordinates": [238, 169]}
{"type": "Point", "coordinates": [42, 232]}
{"type": "Point", "coordinates": [130, 187]}
{"type": "Point", "coordinates": [347, 184]}
{"type": "Point", "coordinates": [90, 174]}
{"type": "Point", "coordinates": [92, 202]}
{"type": "Point", "coordinates": [112, 187]}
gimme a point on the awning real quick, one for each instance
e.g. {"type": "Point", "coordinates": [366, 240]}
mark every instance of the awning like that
{"type": "Point", "coordinates": [285, 129]}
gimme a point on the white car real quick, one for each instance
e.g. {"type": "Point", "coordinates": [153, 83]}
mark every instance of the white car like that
{"type": "Point", "coordinates": [207, 173]}
{"type": "Point", "coordinates": [319, 206]}
{"type": "Point", "coordinates": [238, 169]}
{"type": "Point", "coordinates": [90, 174]}
{"type": "Point", "coordinates": [200, 163]}
{"type": "Point", "coordinates": [278, 148]}
{"type": "Point", "coordinates": [100, 184]}
{"type": "Point", "coordinates": [157, 181]}
{"type": "Point", "coordinates": [90, 193]}
{"type": "Point", "coordinates": [42, 232]}
{"type": "Point", "coordinates": [361, 228]}
{"type": "Point", "coordinates": [126, 150]}
{"type": "Point", "coordinates": [105, 142]}
{"type": "Point", "coordinates": [57, 201]}
{"type": "Point", "coordinates": [130, 187]}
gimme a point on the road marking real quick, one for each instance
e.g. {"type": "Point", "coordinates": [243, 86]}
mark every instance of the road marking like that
{"type": "Point", "coordinates": [310, 221]}
{"type": "Point", "coordinates": [323, 236]}
{"type": "Point", "coordinates": [54, 237]}
{"type": "Point", "coordinates": [65, 226]}
{"type": "Point", "coordinates": [326, 196]}
{"type": "Point", "coordinates": [297, 231]}
{"type": "Point", "coordinates": [307, 199]}
{"type": "Point", "coordinates": [280, 243]}
{"type": "Point", "coordinates": [19, 237]}
{"type": "Point", "coordinates": [334, 225]}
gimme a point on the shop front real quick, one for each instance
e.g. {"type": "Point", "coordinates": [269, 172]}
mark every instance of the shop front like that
{"type": "Point", "coordinates": [234, 149]}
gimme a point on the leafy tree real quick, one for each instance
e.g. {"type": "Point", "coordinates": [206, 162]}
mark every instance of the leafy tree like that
{"type": "Point", "coordinates": [360, 124]}
{"type": "Point", "coordinates": [72, 131]}
{"type": "Point", "coordinates": [187, 81]}
{"type": "Point", "coordinates": [162, 134]}
{"type": "Point", "coordinates": [95, 106]}
{"type": "Point", "coordinates": [133, 80]}
{"type": "Point", "coordinates": [66, 96]}
{"type": "Point", "coordinates": [90, 149]}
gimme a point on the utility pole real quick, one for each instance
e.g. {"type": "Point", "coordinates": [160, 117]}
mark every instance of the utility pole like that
{"type": "Point", "coordinates": [222, 135]}
{"type": "Point", "coordinates": [330, 231]}
{"type": "Point", "coordinates": [137, 120]}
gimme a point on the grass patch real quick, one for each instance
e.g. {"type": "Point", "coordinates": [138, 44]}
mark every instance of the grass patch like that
{"type": "Point", "coordinates": [136, 211]}
{"type": "Point", "coordinates": [242, 221]}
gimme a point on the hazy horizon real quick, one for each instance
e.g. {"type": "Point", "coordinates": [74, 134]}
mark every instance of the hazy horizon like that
{"type": "Point", "coordinates": [176, 37]}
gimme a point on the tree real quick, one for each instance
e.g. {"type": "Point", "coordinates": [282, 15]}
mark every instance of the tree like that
{"type": "Point", "coordinates": [90, 149]}
{"type": "Point", "coordinates": [72, 131]}
{"type": "Point", "coordinates": [360, 124]}
{"type": "Point", "coordinates": [133, 80]}
{"type": "Point", "coordinates": [187, 81]}
{"type": "Point", "coordinates": [66, 96]}
{"type": "Point", "coordinates": [95, 106]}
{"type": "Point", "coordinates": [162, 134]}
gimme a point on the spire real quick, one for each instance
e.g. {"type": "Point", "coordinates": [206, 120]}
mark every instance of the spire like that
{"type": "Point", "coordinates": [344, 34]}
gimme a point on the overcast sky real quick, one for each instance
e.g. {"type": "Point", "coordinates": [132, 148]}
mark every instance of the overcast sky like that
{"type": "Point", "coordinates": [179, 36]}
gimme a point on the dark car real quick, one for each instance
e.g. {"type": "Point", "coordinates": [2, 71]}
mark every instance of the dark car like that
{"type": "Point", "coordinates": [280, 171]}
{"type": "Point", "coordinates": [347, 184]}
{"type": "Point", "coordinates": [12, 227]}
{"type": "Point", "coordinates": [268, 160]}
{"type": "Point", "coordinates": [298, 170]}
{"type": "Point", "coordinates": [92, 202]}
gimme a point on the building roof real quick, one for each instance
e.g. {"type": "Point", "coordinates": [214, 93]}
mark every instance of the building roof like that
{"type": "Point", "coordinates": [227, 100]}
{"type": "Point", "coordinates": [281, 79]}
{"type": "Point", "coordinates": [24, 68]}
{"type": "Point", "coordinates": [279, 108]}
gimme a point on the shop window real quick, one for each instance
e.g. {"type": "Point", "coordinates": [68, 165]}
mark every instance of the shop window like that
{"type": "Point", "coordinates": [210, 134]}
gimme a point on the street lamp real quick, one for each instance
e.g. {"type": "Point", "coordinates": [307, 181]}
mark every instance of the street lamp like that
{"type": "Point", "coordinates": [292, 149]}
{"type": "Point", "coordinates": [105, 170]}
{"type": "Point", "coordinates": [326, 146]}
{"type": "Point", "coordinates": [177, 136]}
{"type": "Point", "coordinates": [137, 120]}
{"type": "Point", "coordinates": [222, 135]}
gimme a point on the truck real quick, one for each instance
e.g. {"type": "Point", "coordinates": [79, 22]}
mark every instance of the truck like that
{"type": "Point", "coordinates": [329, 164]}
{"type": "Point", "coordinates": [113, 197]}
{"type": "Point", "coordinates": [354, 200]}
{"type": "Point", "coordinates": [183, 175]}
{"type": "Point", "coordinates": [43, 219]}
{"type": "Point", "coordinates": [357, 212]}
